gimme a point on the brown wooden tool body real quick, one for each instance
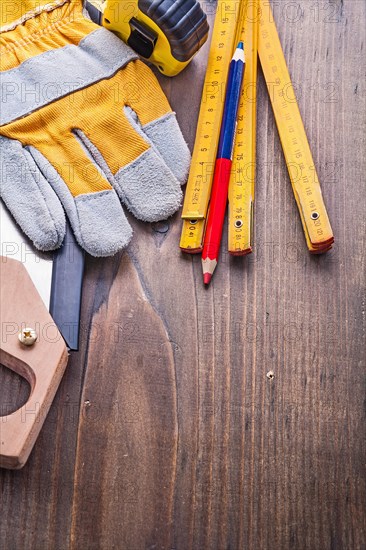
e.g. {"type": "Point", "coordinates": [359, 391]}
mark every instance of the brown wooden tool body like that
{"type": "Point", "coordinates": [41, 364]}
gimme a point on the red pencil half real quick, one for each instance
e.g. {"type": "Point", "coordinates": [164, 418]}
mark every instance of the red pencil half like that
{"type": "Point", "coordinates": [216, 217]}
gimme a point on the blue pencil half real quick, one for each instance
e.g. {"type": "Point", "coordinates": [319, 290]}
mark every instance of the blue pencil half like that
{"type": "Point", "coordinates": [232, 98]}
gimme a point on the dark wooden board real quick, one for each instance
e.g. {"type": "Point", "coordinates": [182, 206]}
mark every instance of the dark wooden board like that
{"type": "Point", "coordinates": [166, 432]}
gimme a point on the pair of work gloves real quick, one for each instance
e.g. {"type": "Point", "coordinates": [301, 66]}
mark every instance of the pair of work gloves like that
{"type": "Point", "coordinates": [84, 126]}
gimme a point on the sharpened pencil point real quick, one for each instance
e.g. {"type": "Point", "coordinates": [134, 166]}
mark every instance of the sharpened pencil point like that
{"type": "Point", "coordinates": [207, 278]}
{"type": "Point", "coordinates": [239, 54]}
{"type": "Point", "coordinates": [208, 267]}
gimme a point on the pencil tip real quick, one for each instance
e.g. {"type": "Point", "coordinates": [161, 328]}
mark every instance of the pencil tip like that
{"type": "Point", "coordinates": [207, 278]}
{"type": "Point", "coordinates": [208, 267]}
{"type": "Point", "coordinates": [239, 54]}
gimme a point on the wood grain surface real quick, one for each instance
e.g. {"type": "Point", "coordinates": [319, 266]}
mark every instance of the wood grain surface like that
{"type": "Point", "coordinates": [168, 432]}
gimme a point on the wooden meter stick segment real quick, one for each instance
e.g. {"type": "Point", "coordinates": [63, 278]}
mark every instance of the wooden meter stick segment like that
{"type": "Point", "coordinates": [242, 179]}
{"type": "Point", "coordinates": [208, 126]}
{"type": "Point", "coordinates": [299, 160]}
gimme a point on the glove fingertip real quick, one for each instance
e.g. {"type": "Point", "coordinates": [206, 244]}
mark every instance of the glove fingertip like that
{"type": "Point", "coordinates": [148, 188]}
{"type": "Point", "coordinates": [102, 227]}
{"type": "Point", "coordinates": [167, 137]}
{"type": "Point", "coordinates": [46, 232]}
{"type": "Point", "coordinates": [29, 197]}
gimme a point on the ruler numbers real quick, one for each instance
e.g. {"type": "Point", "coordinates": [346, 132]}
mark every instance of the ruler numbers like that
{"type": "Point", "coordinates": [242, 181]}
{"type": "Point", "coordinates": [294, 142]}
{"type": "Point", "coordinates": [208, 125]}
{"type": "Point", "coordinates": [303, 176]}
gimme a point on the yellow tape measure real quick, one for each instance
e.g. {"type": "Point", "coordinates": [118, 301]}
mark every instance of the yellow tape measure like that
{"type": "Point", "coordinates": [296, 149]}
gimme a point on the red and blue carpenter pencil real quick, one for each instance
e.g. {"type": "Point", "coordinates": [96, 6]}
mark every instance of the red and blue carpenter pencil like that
{"type": "Point", "coordinates": [220, 185]}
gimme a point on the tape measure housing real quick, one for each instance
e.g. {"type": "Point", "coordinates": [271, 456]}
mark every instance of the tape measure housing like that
{"type": "Point", "coordinates": [167, 34]}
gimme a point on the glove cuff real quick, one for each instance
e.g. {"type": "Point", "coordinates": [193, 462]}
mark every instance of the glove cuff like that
{"type": "Point", "coordinates": [18, 12]}
{"type": "Point", "coordinates": [32, 27]}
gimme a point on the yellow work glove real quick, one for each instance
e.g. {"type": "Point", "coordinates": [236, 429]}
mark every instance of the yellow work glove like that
{"type": "Point", "coordinates": [84, 125]}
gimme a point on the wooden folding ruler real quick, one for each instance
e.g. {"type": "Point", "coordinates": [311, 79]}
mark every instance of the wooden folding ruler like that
{"type": "Point", "coordinates": [305, 183]}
